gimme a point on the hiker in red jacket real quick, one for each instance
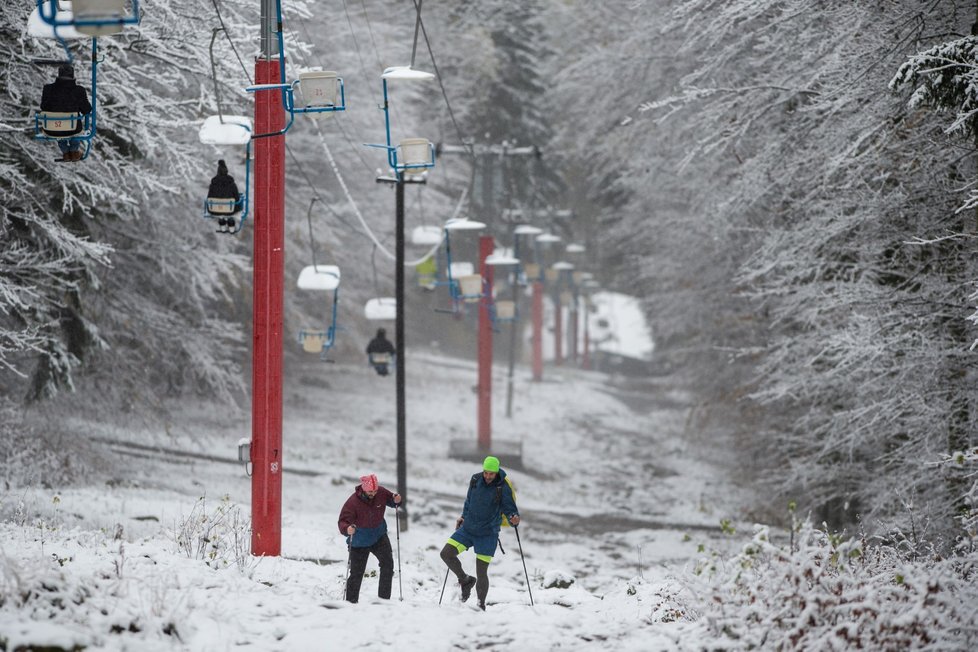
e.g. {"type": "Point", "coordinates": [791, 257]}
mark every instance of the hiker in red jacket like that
{"type": "Point", "coordinates": [362, 521]}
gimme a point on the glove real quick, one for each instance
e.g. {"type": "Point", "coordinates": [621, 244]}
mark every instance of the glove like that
{"type": "Point", "coordinates": [458, 522]}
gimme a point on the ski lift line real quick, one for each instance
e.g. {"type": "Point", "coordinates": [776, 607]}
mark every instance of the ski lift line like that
{"type": "Point", "coordinates": [220, 19]}
{"type": "Point", "coordinates": [417, 25]}
{"type": "Point", "coordinates": [339, 124]}
{"type": "Point", "coordinates": [373, 43]}
{"type": "Point", "coordinates": [434, 64]}
{"type": "Point", "coordinates": [356, 43]}
{"type": "Point", "coordinates": [356, 209]}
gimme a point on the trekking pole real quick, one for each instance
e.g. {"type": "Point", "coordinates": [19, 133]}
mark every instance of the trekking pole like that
{"type": "Point", "coordinates": [516, 529]}
{"type": "Point", "coordinates": [443, 585]}
{"type": "Point", "coordinates": [397, 522]}
{"type": "Point", "coordinates": [349, 557]}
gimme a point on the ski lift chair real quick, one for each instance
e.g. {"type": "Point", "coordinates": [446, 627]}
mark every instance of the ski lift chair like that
{"type": "Point", "coordinates": [321, 92]}
{"type": "Point", "coordinates": [427, 270]}
{"type": "Point", "coordinates": [411, 155]}
{"type": "Point", "coordinates": [503, 310]}
{"type": "Point", "coordinates": [382, 362]}
{"type": "Point", "coordinates": [463, 283]}
{"type": "Point", "coordinates": [320, 278]}
{"type": "Point", "coordinates": [229, 130]}
{"type": "Point", "coordinates": [89, 17]}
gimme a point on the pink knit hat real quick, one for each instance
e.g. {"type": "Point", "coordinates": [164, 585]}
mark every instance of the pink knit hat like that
{"type": "Point", "coordinates": [369, 482]}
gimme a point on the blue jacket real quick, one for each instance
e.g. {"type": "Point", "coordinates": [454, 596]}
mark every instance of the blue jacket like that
{"type": "Point", "coordinates": [486, 503]}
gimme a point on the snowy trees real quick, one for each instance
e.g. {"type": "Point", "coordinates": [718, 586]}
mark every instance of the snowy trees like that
{"type": "Point", "coordinates": [787, 215]}
{"type": "Point", "coordinates": [105, 263]}
{"type": "Point", "coordinates": [827, 592]}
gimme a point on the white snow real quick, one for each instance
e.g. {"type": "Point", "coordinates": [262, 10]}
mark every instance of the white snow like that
{"type": "Point", "coordinates": [426, 236]}
{"type": "Point", "coordinates": [319, 277]}
{"type": "Point", "coordinates": [234, 130]}
{"type": "Point", "coordinates": [406, 72]}
{"type": "Point", "coordinates": [618, 326]}
{"type": "Point", "coordinates": [37, 28]}
{"type": "Point", "coordinates": [149, 561]}
{"type": "Point", "coordinates": [381, 309]}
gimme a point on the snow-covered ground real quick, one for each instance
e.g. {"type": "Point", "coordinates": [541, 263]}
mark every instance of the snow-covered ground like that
{"type": "Point", "coordinates": [611, 497]}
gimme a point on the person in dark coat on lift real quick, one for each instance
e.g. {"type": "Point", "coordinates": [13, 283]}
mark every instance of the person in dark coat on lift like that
{"type": "Point", "coordinates": [377, 349]}
{"type": "Point", "coordinates": [223, 187]}
{"type": "Point", "coordinates": [63, 95]}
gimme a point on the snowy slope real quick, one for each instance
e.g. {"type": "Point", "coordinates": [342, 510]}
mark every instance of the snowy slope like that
{"type": "Point", "coordinates": [610, 497]}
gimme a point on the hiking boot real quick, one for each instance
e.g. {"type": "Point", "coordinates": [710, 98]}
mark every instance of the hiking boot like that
{"type": "Point", "coordinates": [467, 585]}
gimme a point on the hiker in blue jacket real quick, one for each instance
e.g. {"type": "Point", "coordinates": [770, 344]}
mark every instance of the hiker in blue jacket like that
{"type": "Point", "coordinates": [489, 500]}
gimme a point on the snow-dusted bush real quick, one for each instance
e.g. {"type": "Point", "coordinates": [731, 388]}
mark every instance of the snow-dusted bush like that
{"type": "Point", "coordinates": [828, 592]}
{"type": "Point", "coordinates": [968, 516]}
{"type": "Point", "coordinates": [26, 456]}
{"type": "Point", "coordinates": [221, 537]}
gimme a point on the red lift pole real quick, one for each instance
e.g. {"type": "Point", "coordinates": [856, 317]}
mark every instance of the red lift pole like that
{"type": "Point", "coordinates": [486, 246]}
{"type": "Point", "coordinates": [558, 330]}
{"type": "Point", "coordinates": [586, 360]}
{"type": "Point", "coordinates": [537, 331]}
{"type": "Point", "coordinates": [572, 329]}
{"type": "Point", "coordinates": [269, 282]}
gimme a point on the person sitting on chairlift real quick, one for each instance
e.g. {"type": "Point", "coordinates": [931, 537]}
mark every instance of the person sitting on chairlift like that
{"type": "Point", "coordinates": [63, 95]}
{"type": "Point", "coordinates": [379, 350]}
{"type": "Point", "coordinates": [223, 187]}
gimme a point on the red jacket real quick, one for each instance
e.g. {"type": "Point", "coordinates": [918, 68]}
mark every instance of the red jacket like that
{"type": "Point", "coordinates": [367, 514]}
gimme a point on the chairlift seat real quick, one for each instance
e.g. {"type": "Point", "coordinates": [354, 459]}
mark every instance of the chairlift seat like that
{"type": "Point", "coordinates": [505, 310]}
{"type": "Point", "coordinates": [470, 287]}
{"type": "Point", "coordinates": [319, 277]}
{"type": "Point", "coordinates": [381, 309]}
{"type": "Point", "coordinates": [318, 88]}
{"type": "Point", "coordinates": [99, 17]}
{"type": "Point", "coordinates": [220, 205]}
{"type": "Point", "coordinates": [58, 124]}
{"type": "Point", "coordinates": [416, 155]}
{"type": "Point", "coordinates": [551, 274]}
{"type": "Point", "coordinates": [312, 341]}
{"type": "Point", "coordinates": [531, 270]}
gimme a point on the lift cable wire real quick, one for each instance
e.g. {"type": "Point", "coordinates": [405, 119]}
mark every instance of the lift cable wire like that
{"type": "Point", "coordinates": [444, 93]}
{"type": "Point", "coordinates": [356, 43]}
{"type": "Point", "coordinates": [370, 31]}
{"type": "Point", "coordinates": [417, 25]}
{"type": "Point", "coordinates": [356, 209]}
{"type": "Point", "coordinates": [358, 150]}
{"type": "Point", "coordinates": [220, 19]}
{"type": "Point", "coordinates": [346, 191]}
{"type": "Point", "coordinates": [288, 148]}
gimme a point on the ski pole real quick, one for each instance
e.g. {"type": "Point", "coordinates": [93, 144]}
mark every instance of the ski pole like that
{"type": "Point", "coordinates": [397, 524]}
{"type": "Point", "coordinates": [349, 558]}
{"type": "Point", "coordinates": [499, 542]}
{"type": "Point", "coordinates": [443, 585]}
{"type": "Point", "coordinates": [516, 529]}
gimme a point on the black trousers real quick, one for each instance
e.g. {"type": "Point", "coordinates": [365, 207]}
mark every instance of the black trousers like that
{"type": "Point", "coordinates": [358, 563]}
